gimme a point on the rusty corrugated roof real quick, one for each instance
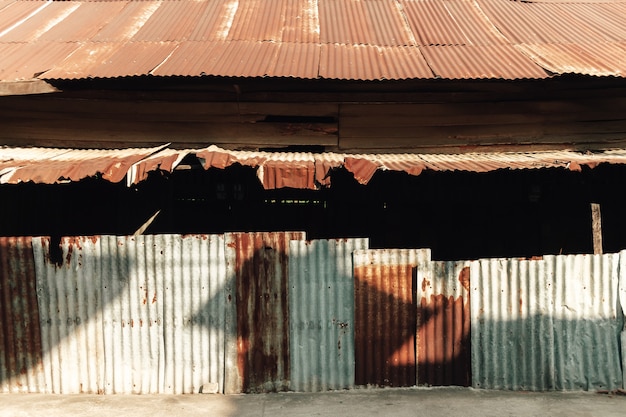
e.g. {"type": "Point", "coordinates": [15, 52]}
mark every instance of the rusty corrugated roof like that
{"type": "Point", "coordinates": [274, 169]}
{"type": "Point", "coordinates": [309, 39]}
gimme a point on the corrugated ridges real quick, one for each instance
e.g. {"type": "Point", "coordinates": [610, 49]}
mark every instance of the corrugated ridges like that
{"type": "Point", "coordinates": [242, 59]}
{"type": "Point", "coordinates": [47, 166]}
{"type": "Point", "coordinates": [536, 323]}
{"type": "Point", "coordinates": [172, 21]}
{"type": "Point", "coordinates": [368, 62]}
{"type": "Point", "coordinates": [21, 61]}
{"type": "Point", "coordinates": [321, 313]}
{"type": "Point", "coordinates": [275, 170]}
{"type": "Point", "coordinates": [21, 351]}
{"type": "Point", "coordinates": [476, 62]}
{"type": "Point", "coordinates": [443, 323]}
{"type": "Point", "coordinates": [261, 269]}
{"type": "Point", "coordinates": [353, 22]}
{"type": "Point", "coordinates": [69, 287]}
{"type": "Point", "coordinates": [385, 315]}
{"type": "Point", "coordinates": [599, 59]}
{"type": "Point", "coordinates": [351, 40]}
{"type": "Point", "coordinates": [132, 314]}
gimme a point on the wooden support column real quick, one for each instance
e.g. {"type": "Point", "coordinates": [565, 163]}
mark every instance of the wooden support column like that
{"type": "Point", "coordinates": [596, 225]}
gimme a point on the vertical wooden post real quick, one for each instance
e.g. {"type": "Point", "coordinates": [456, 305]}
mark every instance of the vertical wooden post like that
{"type": "Point", "coordinates": [596, 224]}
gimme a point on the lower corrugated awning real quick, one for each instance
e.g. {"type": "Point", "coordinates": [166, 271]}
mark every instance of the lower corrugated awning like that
{"type": "Point", "coordinates": [274, 169]}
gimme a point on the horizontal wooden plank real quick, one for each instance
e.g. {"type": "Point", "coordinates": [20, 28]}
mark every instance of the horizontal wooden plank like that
{"type": "Point", "coordinates": [465, 144]}
{"type": "Point", "coordinates": [57, 107]}
{"type": "Point", "coordinates": [31, 132]}
{"type": "Point", "coordinates": [436, 114]}
{"type": "Point", "coordinates": [478, 131]}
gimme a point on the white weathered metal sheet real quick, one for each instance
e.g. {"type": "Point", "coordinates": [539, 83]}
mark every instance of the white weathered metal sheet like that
{"type": "Point", "coordinates": [138, 314]}
{"type": "Point", "coordinates": [550, 324]}
{"type": "Point", "coordinates": [70, 314]}
{"type": "Point", "coordinates": [321, 313]}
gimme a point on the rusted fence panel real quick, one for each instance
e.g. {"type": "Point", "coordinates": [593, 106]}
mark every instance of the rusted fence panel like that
{"type": "Point", "coordinates": [385, 315]}
{"type": "Point", "coordinates": [21, 364]}
{"type": "Point", "coordinates": [443, 323]}
{"type": "Point", "coordinates": [622, 300]}
{"type": "Point", "coordinates": [261, 265]}
{"type": "Point", "coordinates": [550, 324]}
{"type": "Point", "coordinates": [321, 313]}
{"type": "Point", "coordinates": [132, 314]}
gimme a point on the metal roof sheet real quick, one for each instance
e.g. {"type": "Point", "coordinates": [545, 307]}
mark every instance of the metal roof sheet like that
{"type": "Point", "coordinates": [274, 169]}
{"type": "Point", "coordinates": [466, 61]}
{"type": "Point", "coordinates": [354, 22]}
{"type": "Point", "coordinates": [449, 23]}
{"type": "Point", "coordinates": [601, 59]}
{"type": "Point", "coordinates": [309, 39]}
{"type": "Point", "coordinates": [366, 62]}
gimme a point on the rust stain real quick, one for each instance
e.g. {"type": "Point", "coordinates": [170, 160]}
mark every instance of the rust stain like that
{"type": "Point", "coordinates": [261, 264]}
{"type": "Point", "coordinates": [385, 316]}
{"type": "Point", "coordinates": [68, 257]}
{"type": "Point", "coordinates": [154, 298]}
{"type": "Point", "coordinates": [425, 284]}
{"type": "Point", "coordinates": [464, 278]}
{"type": "Point", "coordinates": [443, 341]}
{"type": "Point", "coordinates": [20, 333]}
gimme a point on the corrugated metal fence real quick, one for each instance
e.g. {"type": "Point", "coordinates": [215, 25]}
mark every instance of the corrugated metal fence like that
{"type": "Point", "coordinates": [550, 324]}
{"type": "Point", "coordinates": [21, 366]}
{"type": "Point", "coordinates": [443, 323]}
{"type": "Point", "coordinates": [132, 314]}
{"type": "Point", "coordinates": [269, 311]}
{"type": "Point", "coordinates": [385, 315]}
{"type": "Point", "coordinates": [321, 316]}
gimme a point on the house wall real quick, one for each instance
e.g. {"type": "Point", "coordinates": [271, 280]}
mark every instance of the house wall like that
{"type": "Point", "coordinates": [376, 117]}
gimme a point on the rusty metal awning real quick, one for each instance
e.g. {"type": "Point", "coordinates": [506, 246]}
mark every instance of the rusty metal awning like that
{"type": "Point", "coordinates": [274, 169]}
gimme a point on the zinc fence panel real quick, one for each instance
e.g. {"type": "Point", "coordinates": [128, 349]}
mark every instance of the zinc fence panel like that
{"type": "Point", "coordinates": [443, 323]}
{"type": "Point", "coordinates": [321, 313]}
{"type": "Point", "coordinates": [69, 290]}
{"type": "Point", "coordinates": [21, 363]}
{"type": "Point", "coordinates": [127, 314]}
{"type": "Point", "coordinates": [549, 324]}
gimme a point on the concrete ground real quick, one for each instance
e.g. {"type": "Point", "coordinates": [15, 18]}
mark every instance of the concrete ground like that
{"type": "Point", "coordinates": [364, 402]}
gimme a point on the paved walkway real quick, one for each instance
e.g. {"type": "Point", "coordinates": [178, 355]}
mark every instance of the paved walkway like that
{"type": "Point", "coordinates": [365, 402]}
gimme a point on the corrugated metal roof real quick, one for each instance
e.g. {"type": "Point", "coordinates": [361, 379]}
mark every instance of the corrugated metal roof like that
{"type": "Point", "coordinates": [308, 39]}
{"type": "Point", "coordinates": [274, 169]}
{"type": "Point", "coordinates": [602, 59]}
